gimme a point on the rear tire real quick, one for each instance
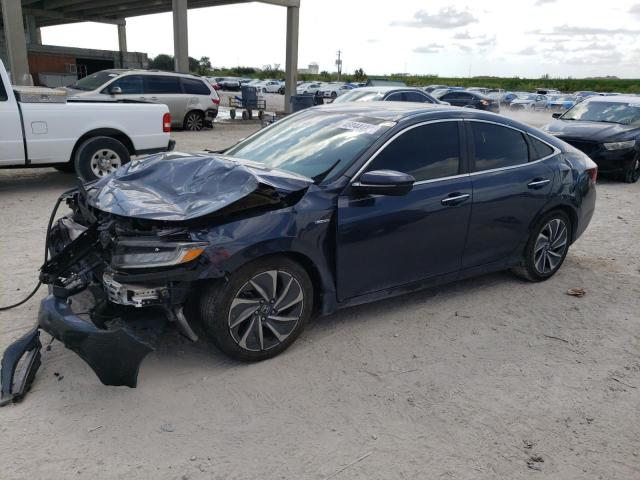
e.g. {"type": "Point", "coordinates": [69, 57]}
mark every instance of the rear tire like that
{"type": "Point", "coordinates": [228, 315]}
{"type": "Point", "coordinates": [98, 157]}
{"type": "Point", "coordinates": [193, 121]}
{"type": "Point", "coordinates": [547, 247]}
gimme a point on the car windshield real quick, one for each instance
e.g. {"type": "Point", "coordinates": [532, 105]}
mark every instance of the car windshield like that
{"type": "Point", "coordinates": [527, 97]}
{"type": "Point", "coordinates": [94, 81]}
{"type": "Point", "coordinates": [360, 96]}
{"type": "Point", "coordinates": [312, 143]}
{"type": "Point", "coordinates": [608, 112]}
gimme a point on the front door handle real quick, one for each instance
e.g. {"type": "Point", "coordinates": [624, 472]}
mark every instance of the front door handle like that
{"type": "Point", "coordinates": [455, 199]}
{"type": "Point", "coordinates": [154, 98]}
{"type": "Point", "coordinates": [538, 183]}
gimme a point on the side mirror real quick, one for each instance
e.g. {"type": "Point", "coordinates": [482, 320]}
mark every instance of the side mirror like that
{"type": "Point", "coordinates": [115, 91]}
{"type": "Point", "coordinates": [556, 115]}
{"type": "Point", "coordinates": [384, 182]}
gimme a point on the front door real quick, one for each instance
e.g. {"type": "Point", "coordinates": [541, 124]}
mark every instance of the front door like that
{"type": "Point", "coordinates": [388, 241]}
{"type": "Point", "coordinates": [510, 187]}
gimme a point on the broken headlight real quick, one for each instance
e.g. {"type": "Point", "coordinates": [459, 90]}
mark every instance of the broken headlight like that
{"type": "Point", "coordinates": [140, 253]}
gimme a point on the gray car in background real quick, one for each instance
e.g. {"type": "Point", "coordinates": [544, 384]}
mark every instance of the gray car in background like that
{"type": "Point", "coordinates": [192, 100]}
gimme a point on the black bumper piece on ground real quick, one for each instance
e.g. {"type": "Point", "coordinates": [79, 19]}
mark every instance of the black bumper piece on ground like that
{"type": "Point", "coordinates": [28, 347]}
{"type": "Point", "coordinates": [114, 355]}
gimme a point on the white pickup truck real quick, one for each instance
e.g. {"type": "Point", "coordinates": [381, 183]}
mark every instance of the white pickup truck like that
{"type": "Point", "coordinates": [39, 128]}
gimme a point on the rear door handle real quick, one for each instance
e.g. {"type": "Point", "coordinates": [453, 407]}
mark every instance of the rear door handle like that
{"type": "Point", "coordinates": [538, 183]}
{"type": "Point", "coordinates": [154, 98]}
{"type": "Point", "coordinates": [455, 199]}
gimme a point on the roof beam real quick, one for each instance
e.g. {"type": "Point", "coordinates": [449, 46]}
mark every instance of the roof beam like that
{"type": "Point", "coordinates": [38, 12]}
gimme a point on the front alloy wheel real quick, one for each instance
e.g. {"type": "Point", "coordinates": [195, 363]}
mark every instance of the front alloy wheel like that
{"type": "Point", "coordinates": [260, 310]}
{"type": "Point", "coordinates": [266, 310]}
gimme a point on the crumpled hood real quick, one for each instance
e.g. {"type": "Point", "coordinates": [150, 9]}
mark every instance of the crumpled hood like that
{"type": "Point", "coordinates": [594, 131]}
{"type": "Point", "coordinates": [177, 186]}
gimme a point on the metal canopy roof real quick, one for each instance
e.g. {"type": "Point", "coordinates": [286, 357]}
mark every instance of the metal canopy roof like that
{"type": "Point", "coordinates": [57, 12]}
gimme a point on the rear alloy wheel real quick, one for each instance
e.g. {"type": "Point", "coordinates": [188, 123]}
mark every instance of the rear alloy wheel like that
{"type": "Point", "coordinates": [632, 170]}
{"type": "Point", "coordinates": [193, 121]}
{"type": "Point", "coordinates": [547, 248]}
{"type": "Point", "coordinates": [260, 311]}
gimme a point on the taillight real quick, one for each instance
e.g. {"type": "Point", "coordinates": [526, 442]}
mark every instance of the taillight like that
{"type": "Point", "coordinates": [593, 174]}
{"type": "Point", "coordinates": [215, 100]}
{"type": "Point", "coordinates": [166, 122]}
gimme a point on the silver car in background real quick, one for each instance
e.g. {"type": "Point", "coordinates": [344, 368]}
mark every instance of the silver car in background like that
{"type": "Point", "coordinates": [192, 100]}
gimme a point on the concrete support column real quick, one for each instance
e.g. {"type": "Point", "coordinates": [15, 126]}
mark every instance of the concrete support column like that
{"type": "Point", "coordinates": [16, 41]}
{"type": "Point", "coordinates": [122, 38]}
{"type": "Point", "coordinates": [180, 36]}
{"type": "Point", "coordinates": [33, 32]}
{"type": "Point", "coordinates": [291, 63]}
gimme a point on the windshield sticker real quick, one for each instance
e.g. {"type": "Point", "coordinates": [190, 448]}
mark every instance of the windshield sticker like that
{"type": "Point", "coordinates": [359, 127]}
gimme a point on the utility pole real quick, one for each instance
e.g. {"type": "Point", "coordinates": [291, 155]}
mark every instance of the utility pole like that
{"type": "Point", "coordinates": [339, 64]}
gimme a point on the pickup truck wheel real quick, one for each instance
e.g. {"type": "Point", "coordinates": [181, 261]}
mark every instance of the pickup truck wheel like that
{"type": "Point", "coordinates": [99, 156]}
{"type": "Point", "coordinates": [193, 121]}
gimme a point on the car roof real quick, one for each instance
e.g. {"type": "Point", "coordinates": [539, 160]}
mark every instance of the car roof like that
{"type": "Point", "coordinates": [138, 71]}
{"type": "Point", "coordinates": [613, 99]}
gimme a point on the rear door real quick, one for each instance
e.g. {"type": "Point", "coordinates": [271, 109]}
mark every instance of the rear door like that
{"type": "Point", "coordinates": [11, 143]}
{"type": "Point", "coordinates": [510, 187]}
{"type": "Point", "coordinates": [389, 241]}
{"type": "Point", "coordinates": [166, 89]}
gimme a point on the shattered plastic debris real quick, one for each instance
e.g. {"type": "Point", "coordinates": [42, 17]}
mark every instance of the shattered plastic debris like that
{"type": "Point", "coordinates": [179, 187]}
{"type": "Point", "coordinates": [576, 292]}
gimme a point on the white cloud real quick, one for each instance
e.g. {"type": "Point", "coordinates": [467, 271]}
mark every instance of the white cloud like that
{"type": "Point", "coordinates": [448, 17]}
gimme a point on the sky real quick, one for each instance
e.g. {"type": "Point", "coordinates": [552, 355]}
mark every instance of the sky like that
{"type": "Point", "coordinates": [526, 38]}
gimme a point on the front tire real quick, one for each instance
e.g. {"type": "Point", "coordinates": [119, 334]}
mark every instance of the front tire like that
{"type": "Point", "coordinates": [98, 157]}
{"type": "Point", "coordinates": [631, 172]}
{"type": "Point", "coordinates": [547, 247]}
{"type": "Point", "coordinates": [260, 311]}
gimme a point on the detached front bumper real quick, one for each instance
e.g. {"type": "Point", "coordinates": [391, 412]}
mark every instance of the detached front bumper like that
{"type": "Point", "coordinates": [114, 354]}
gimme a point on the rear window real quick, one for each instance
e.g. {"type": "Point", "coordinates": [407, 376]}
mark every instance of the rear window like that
{"type": "Point", "coordinates": [194, 87]}
{"type": "Point", "coordinates": [539, 149]}
{"type": "Point", "coordinates": [163, 84]}
{"type": "Point", "coordinates": [497, 146]}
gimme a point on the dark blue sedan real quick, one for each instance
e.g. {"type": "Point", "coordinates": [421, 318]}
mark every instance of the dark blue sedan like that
{"type": "Point", "coordinates": [334, 206]}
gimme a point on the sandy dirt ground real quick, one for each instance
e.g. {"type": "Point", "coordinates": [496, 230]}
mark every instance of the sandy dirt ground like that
{"type": "Point", "coordinates": [483, 379]}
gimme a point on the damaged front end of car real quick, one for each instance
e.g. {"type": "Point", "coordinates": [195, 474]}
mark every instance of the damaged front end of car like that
{"type": "Point", "coordinates": [124, 261]}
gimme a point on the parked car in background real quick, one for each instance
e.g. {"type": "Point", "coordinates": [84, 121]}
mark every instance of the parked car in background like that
{"type": "Point", "coordinates": [431, 88]}
{"type": "Point", "coordinates": [585, 94]}
{"type": "Point", "coordinates": [41, 129]}
{"type": "Point", "coordinates": [386, 94]}
{"type": "Point", "coordinates": [433, 193]}
{"type": "Point", "coordinates": [310, 87]}
{"type": "Point", "coordinates": [561, 103]}
{"type": "Point", "coordinates": [229, 83]}
{"type": "Point", "coordinates": [605, 128]}
{"type": "Point", "coordinates": [270, 86]}
{"type": "Point", "coordinates": [213, 82]}
{"type": "Point", "coordinates": [464, 98]}
{"type": "Point", "coordinates": [482, 90]}
{"type": "Point", "coordinates": [529, 101]}
{"type": "Point", "coordinates": [192, 100]}
{"type": "Point", "coordinates": [334, 90]}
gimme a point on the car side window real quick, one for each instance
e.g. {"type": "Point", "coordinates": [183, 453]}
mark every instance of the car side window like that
{"type": "Point", "coordinates": [539, 149]}
{"type": "Point", "coordinates": [395, 97]}
{"type": "Point", "coordinates": [194, 87]}
{"type": "Point", "coordinates": [496, 146]}
{"type": "Point", "coordinates": [163, 84]}
{"type": "Point", "coordinates": [415, 97]}
{"type": "Point", "coordinates": [130, 85]}
{"type": "Point", "coordinates": [427, 152]}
